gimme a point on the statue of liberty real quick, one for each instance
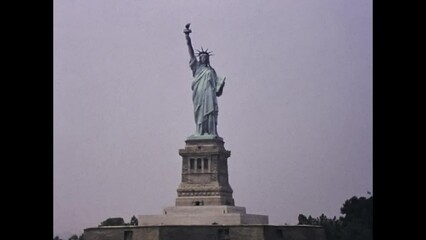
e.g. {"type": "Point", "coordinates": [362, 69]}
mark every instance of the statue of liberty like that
{"type": "Point", "coordinates": [206, 87]}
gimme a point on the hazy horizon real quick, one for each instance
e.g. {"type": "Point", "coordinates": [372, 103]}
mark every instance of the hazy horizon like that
{"type": "Point", "coordinates": [296, 111]}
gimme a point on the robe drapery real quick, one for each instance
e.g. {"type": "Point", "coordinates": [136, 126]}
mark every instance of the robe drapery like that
{"type": "Point", "coordinates": [206, 87]}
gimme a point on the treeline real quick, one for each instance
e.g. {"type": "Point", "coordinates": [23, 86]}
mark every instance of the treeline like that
{"type": "Point", "coordinates": [356, 224]}
{"type": "Point", "coordinates": [108, 222]}
{"type": "Point", "coordinates": [73, 237]}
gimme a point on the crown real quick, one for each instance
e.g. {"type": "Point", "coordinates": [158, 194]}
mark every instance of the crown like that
{"type": "Point", "coordinates": [204, 52]}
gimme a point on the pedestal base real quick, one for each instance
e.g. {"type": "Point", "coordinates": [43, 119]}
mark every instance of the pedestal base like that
{"type": "Point", "coordinates": [206, 232]}
{"type": "Point", "coordinates": [203, 215]}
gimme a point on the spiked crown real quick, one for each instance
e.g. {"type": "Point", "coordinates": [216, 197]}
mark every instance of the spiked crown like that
{"type": "Point", "coordinates": [204, 52]}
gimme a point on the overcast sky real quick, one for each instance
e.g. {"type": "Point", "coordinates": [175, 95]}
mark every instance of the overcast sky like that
{"type": "Point", "coordinates": [296, 111]}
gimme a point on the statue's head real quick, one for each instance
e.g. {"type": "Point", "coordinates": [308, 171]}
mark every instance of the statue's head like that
{"type": "Point", "coordinates": [204, 56]}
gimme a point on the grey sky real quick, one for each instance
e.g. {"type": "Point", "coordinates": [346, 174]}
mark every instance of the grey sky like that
{"type": "Point", "coordinates": [296, 112]}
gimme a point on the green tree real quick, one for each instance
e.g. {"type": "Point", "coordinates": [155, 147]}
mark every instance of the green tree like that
{"type": "Point", "coordinates": [356, 224]}
{"type": "Point", "coordinates": [358, 221]}
{"type": "Point", "coordinates": [303, 220]}
{"type": "Point", "coordinates": [331, 226]}
{"type": "Point", "coordinates": [73, 237]}
{"type": "Point", "coordinates": [134, 221]}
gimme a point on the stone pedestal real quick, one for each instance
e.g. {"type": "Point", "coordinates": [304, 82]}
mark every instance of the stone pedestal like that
{"type": "Point", "coordinates": [204, 194]}
{"type": "Point", "coordinates": [204, 173]}
{"type": "Point", "coordinates": [203, 215]}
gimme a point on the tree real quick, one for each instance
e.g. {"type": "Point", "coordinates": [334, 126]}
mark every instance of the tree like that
{"type": "Point", "coordinates": [73, 237]}
{"type": "Point", "coordinates": [113, 222]}
{"type": "Point", "coordinates": [331, 226]}
{"type": "Point", "coordinates": [358, 221]}
{"type": "Point", "coordinates": [302, 220]}
{"type": "Point", "coordinates": [134, 221]}
{"type": "Point", "coordinates": [357, 224]}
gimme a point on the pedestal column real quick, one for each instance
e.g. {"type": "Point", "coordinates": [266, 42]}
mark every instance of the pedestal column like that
{"type": "Point", "coordinates": [204, 173]}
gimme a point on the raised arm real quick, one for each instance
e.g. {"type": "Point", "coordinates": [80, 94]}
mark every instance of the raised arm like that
{"type": "Point", "coordinates": [187, 31]}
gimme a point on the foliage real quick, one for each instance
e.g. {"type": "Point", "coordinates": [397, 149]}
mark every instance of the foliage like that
{"type": "Point", "coordinates": [357, 224]}
{"type": "Point", "coordinates": [73, 237]}
{"type": "Point", "coordinates": [113, 222]}
{"type": "Point", "coordinates": [134, 221]}
{"type": "Point", "coordinates": [358, 220]}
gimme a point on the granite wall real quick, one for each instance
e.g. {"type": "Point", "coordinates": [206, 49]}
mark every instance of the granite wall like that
{"type": "Point", "coordinates": [207, 232]}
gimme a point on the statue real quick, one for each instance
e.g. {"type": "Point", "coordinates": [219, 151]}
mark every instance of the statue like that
{"type": "Point", "coordinates": [206, 87]}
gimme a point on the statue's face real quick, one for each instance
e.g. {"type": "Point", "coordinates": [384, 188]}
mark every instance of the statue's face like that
{"type": "Point", "coordinates": [204, 58]}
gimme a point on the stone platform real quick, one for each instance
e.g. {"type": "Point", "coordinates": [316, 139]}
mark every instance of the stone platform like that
{"type": "Point", "coordinates": [204, 194]}
{"type": "Point", "coordinates": [206, 232]}
{"type": "Point", "coordinates": [203, 215]}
